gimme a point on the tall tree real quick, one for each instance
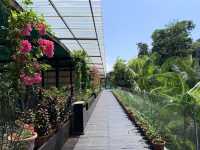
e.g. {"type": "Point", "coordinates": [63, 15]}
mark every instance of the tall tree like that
{"type": "Point", "coordinates": [174, 40]}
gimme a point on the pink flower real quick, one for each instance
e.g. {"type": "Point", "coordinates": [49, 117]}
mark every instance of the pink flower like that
{"type": "Point", "coordinates": [25, 46]}
{"type": "Point", "coordinates": [27, 80]}
{"type": "Point", "coordinates": [30, 80]}
{"type": "Point", "coordinates": [26, 31]}
{"type": "Point", "coordinates": [37, 78]}
{"type": "Point", "coordinates": [47, 47]}
{"type": "Point", "coordinates": [41, 28]}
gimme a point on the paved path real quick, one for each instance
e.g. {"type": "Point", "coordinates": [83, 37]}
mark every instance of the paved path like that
{"type": "Point", "coordinates": [108, 129]}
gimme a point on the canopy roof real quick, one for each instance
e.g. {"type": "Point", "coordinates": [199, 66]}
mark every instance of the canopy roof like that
{"type": "Point", "coordinates": [78, 24]}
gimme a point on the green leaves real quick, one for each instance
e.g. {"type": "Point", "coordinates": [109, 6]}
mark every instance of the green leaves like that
{"type": "Point", "coordinates": [45, 67]}
{"type": "Point", "coordinates": [123, 75]}
{"type": "Point", "coordinates": [174, 40]}
{"type": "Point", "coordinates": [27, 2]}
{"type": "Point", "coordinates": [80, 59]}
{"type": "Point", "coordinates": [143, 49]}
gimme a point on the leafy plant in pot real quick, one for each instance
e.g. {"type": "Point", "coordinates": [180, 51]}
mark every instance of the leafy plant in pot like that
{"type": "Point", "coordinates": [24, 137]}
{"type": "Point", "coordinates": [158, 143]}
{"type": "Point", "coordinates": [151, 134]}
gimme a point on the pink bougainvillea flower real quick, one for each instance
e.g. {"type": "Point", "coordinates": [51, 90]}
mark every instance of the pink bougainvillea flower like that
{"type": "Point", "coordinates": [26, 31]}
{"type": "Point", "coordinates": [37, 78]}
{"type": "Point", "coordinates": [27, 80]}
{"type": "Point", "coordinates": [25, 46]}
{"type": "Point", "coordinates": [30, 80]}
{"type": "Point", "coordinates": [41, 28]}
{"type": "Point", "coordinates": [47, 47]}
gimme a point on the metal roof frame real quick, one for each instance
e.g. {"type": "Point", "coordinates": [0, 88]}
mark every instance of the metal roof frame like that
{"type": "Point", "coordinates": [71, 20]}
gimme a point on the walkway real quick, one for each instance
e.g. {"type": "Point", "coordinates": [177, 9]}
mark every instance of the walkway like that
{"type": "Point", "coordinates": [108, 129]}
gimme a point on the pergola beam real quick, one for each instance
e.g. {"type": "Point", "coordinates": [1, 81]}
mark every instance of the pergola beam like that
{"type": "Point", "coordinates": [91, 9]}
{"type": "Point", "coordinates": [95, 63]}
{"type": "Point", "coordinates": [71, 16]}
{"type": "Point", "coordinates": [79, 39]}
{"type": "Point", "coordinates": [54, 7]}
{"type": "Point", "coordinates": [94, 56]}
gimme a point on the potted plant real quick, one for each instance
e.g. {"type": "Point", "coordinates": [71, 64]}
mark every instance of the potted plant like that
{"type": "Point", "coordinates": [158, 143]}
{"type": "Point", "coordinates": [151, 134]}
{"type": "Point", "coordinates": [24, 137]}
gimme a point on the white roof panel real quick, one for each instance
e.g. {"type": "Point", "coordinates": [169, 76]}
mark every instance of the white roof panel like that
{"type": "Point", "coordinates": [78, 24]}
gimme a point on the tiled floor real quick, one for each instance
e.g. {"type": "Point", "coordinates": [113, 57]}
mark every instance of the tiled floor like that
{"type": "Point", "coordinates": [108, 129]}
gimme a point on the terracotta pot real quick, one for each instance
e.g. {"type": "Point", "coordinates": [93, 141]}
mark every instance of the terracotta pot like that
{"type": "Point", "coordinates": [158, 144]}
{"type": "Point", "coordinates": [149, 138]}
{"type": "Point", "coordinates": [27, 143]}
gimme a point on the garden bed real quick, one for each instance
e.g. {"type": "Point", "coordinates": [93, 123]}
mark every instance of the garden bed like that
{"type": "Point", "coordinates": [59, 138]}
{"type": "Point", "coordinates": [143, 127]}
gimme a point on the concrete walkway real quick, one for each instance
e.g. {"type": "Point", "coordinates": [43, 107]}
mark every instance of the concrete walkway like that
{"type": "Point", "coordinates": [108, 129]}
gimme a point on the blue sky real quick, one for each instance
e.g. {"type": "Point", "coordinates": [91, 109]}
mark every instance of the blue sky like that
{"type": "Point", "coordinates": [127, 22]}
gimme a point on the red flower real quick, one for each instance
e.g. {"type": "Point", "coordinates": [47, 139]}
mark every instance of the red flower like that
{"type": "Point", "coordinates": [47, 47]}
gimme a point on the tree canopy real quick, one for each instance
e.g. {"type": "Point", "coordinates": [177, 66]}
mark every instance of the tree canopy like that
{"type": "Point", "coordinates": [174, 40]}
{"type": "Point", "coordinates": [143, 49]}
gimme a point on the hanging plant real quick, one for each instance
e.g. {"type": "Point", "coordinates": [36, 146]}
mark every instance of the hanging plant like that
{"type": "Point", "coordinates": [80, 58]}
